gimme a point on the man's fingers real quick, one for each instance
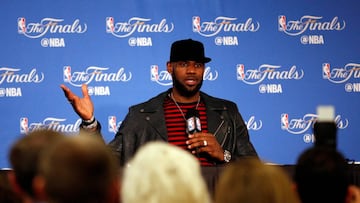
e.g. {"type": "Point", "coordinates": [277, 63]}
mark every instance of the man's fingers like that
{"type": "Point", "coordinates": [66, 90]}
{"type": "Point", "coordinates": [63, 87]}
{"type": "Point", "coordinates": [84, 90]}
{"type": "Point", "coordinates": [68, 94]}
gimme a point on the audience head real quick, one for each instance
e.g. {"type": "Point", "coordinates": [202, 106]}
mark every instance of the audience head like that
{"type": "Point", "coordinates": [250, 180]}
{"type": "Point", "coordinates": [24, 155]}
{"type": "Point", "coordinates": [7, 194]}
{"type": "Point", "coordinates": [79, 169]}
{"type": "Point", "coordinates": [353, 195]}
{"type": "Point", "coordinates": [321, 175]}
{"type": "Point", "coordinates": [162, 173]}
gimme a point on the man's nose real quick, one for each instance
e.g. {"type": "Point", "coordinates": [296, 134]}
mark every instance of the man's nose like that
{"type": "Point", "coordinates": [191, 67]}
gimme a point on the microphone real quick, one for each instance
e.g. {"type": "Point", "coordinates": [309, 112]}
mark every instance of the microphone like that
{"type": "Point", "coordinates": [325, 134]}
{"type": "Point", "coordinates": [325, 129]}
{"type": "Point", "coordinates": [193, 124]}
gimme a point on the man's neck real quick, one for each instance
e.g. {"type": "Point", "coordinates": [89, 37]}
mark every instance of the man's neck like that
{"type": "Point", "coordinates": [184, 99]}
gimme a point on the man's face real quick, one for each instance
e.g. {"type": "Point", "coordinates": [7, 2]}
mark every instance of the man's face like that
{"type": "Point", "coordinates": [187, 76]}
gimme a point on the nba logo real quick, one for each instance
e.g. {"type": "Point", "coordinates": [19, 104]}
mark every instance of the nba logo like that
{"type": "Point", "coordinates": [196, 24]}
{"type": "Point", "coordinates": [67, 74]}
{"type": "Point", "coordinates": [91, 90]}
{"type": "Point", "coordinates": [24, 125]}
{"type": "Point", "coordinates": [284, 121]}
{"type": "Point", "coordinates": [21, 25]}
{"type": "Point", "coordinates": [240, 72]}
{"type": "Point", "coordinates": [154, 73]}
{"type": "Point", "coordinates": [198, 124]}
{"type": "Point", "coordinates": [112, 124]}
{"type": "Point", "coordinates": [190, 123]}
{"type": "Point", "coordinates": [282, 23]}
{"type": "Point", "coordinates": [326, 71]}
{"type": "Point", "coordinates": [2, 92]}
{"type": "Point", "coordinates": [110, 24]}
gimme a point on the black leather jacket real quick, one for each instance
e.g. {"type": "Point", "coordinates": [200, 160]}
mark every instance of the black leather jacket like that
{"type": "Point", "coordinates": [145, 122]}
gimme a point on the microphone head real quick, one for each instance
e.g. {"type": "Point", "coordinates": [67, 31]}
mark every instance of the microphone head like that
{"type": "Point", "coordinates": [192, 121]}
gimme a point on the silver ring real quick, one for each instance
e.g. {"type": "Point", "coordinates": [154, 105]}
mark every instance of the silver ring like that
{"type": "Point", "coordinates": [205, 143]}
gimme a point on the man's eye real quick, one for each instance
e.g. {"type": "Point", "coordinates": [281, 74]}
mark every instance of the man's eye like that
{"type": "Point", "coordinates": [198, 65]}
{"type": "Point", "coordinates": [184, 64]}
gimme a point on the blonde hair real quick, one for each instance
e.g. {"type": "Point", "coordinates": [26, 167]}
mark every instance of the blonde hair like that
{"type": "Point", "coordinates": [250, 180]}
{"type": "Point", "coordinates": [163, 173]}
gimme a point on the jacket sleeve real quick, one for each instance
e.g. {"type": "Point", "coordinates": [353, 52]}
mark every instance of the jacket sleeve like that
{"type": "Point", "coordinates": [243, 145]}
{"type": "Point", "coordinates": [121, 149]}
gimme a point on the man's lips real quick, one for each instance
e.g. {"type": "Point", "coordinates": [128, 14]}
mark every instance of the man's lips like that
{"type": "Point", "coordinates": [190, 81]}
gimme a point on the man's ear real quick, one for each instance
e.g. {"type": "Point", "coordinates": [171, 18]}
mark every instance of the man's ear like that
{"type": "Point", "coordinates": [169, 67]}
{"type": "Point", "coordinates": [353, 194]}
{"type": "Point", "coordinates": [39, 188]}
{"type": "Point", "coordinates": [13, 183]}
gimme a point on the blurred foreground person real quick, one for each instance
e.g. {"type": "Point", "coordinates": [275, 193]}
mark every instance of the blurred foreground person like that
{"type": "Point", "coordinates": [7, 194]}
{"type": "Point", "coordinates": [24, 156]}
{"type": "Point", "coordinates": [79, 169]}
{"type": "Point", "coordinates": [163, 173]}
{"type": "Point", "coordinates": [353, 195]}
{"type": "Point", "coordinates": [251, 181]}
{"type": "Point", "coordinates": [321, 175]}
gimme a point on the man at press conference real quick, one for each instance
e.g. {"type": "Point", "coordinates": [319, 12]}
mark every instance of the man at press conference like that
{"type": "Point", "coordinates": [210, 128]}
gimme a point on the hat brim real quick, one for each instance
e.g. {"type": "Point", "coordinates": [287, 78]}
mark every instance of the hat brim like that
{"type": "Point", "coordinates": [206, 60]}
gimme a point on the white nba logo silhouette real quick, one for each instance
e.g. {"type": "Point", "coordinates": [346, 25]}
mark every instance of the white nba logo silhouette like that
{"type": "Point", "coordinates": [196, 24]}
{"type": "Point", "coordinates": [240, 72]}
{"type": "Point", "coordinates": [284, 121]}
{"type": "Point", "coordinates": [326, 71]}
{"type": "Point", "coordinates": [154, 73]}
{"type": "Point", "coordinates": [282, 23]}
{"type": "Point", "coordinates": [110, 24]}
{"type": "Point", "coordinates": [24, 125]}
{"type": "Point", "coordinates": [112, 124]}
{"type": "Point", "coordinates": [67, 73]}
{"type": "Point", "coordinates": [21, 25]}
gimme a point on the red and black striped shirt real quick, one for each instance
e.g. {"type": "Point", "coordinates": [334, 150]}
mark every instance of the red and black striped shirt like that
{"type": "Point", "coordinates": [176, 125]}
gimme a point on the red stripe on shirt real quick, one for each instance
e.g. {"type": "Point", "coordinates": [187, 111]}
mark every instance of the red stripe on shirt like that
{"type": "Point", "coordinates": [176, 125]}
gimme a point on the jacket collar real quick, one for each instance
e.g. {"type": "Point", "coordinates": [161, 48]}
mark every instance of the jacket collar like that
{"type": "Point", "coordinates": [214, 110]}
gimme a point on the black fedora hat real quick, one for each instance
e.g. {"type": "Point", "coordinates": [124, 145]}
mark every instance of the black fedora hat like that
{"type": "Point", "coordinates": [188, 50]}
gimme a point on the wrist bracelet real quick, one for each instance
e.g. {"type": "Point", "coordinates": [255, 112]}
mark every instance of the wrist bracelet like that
{"type": "Point", "coordinates": [90, 126]}
{"type": "Point", "coordinates": [89, 122]}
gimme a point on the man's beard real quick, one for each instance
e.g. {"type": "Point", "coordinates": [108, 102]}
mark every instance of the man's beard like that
{"type": "Point", "coordinates": [182, 88]}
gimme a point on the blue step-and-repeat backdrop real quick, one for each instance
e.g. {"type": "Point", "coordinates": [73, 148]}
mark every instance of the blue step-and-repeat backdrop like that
{"type": "Point", "coordinates": [277, 59]}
